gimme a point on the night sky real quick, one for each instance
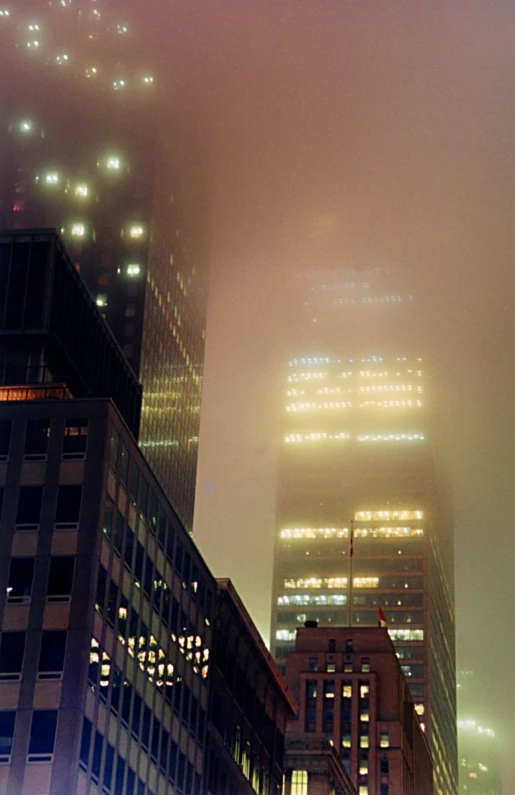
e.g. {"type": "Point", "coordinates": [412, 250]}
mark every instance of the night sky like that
{"type": "Point", "coordinates": [363, 133]}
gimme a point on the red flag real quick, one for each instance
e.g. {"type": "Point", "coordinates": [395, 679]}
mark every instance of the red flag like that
{"type": "Point", "coordinates": [382, 618]}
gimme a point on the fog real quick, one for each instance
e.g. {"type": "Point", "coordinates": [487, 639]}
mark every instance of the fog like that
{"type": "Point", "coordinates": [364, 133]}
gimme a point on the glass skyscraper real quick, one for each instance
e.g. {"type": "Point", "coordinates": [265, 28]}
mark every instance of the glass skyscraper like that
{"type": "Point", "coordinates": [358, 473]}
{"type": "Point", "coordinates": [90, 147]}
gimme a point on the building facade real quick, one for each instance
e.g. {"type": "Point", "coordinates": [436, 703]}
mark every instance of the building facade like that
{"type": "Point", "coordinates": [350, 687]}
{"type": "Point", "coordinates": [89, 147]}
{"type": "Point", "coordinates": [249, 706]}
{"type": "Point", "coordinates": [479, 748]}
{"type": "Point", "coordinates": [357, 460]}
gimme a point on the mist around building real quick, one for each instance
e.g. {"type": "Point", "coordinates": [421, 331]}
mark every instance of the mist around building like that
{"type": "Point", "coordinates": [126, 667]}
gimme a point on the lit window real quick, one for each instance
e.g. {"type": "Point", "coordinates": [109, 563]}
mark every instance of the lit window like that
{"type": "Point", "coordinates": [101, 300]}
{"type": "Point", "coordinates": [364, 741]}
{"type": "Point", "coordinates": [118, 85]}
{"type": "Point", "coordinates": [365, 665]}
{"type": "Point", "coordinates": [299, 782]}
{"type": "Point", "coordinates": [363, 767]}
{"type": "Point", "coordinates": [52, 178]}
{"type": "Point", "coordinates": [364, 691]}
{"type": "Point", "coordinates": [363, 789]}
{"type": "Point", "coordinates": [420, 709]}
{"type": "Point", "coordinates": [112, 163]}
{"type": "Point", "coordinates": [346, 740]}
{"type": "Point", "coordinates": [133, 270]}
{"type": "Point", "coordinates": [91, 71]}
{"type": "Point", "coordinates": [347, 691]}
{"type": "Point", "coordinates": [33, 44]}
{"type": "Point", "coordinates": [82, 191]}
{"type": "Point", "coordinates": [33, 27]}
{"type": "Point", "coordinates": [62, 59]}
{"type": "Point", "coordinates": [135, 232]}
{"type": "Point", "coordinates": [4, 12]}
{"type": "Point", "coordinates": [122, 28]}
{"type": "Point", "coordinates": [148, 80]}
{"type": "Point", "coordinates": [25, 126]}
{"type": "Point", "coordinates": [384, 740]}
{"type": "Point", "coordinates": [78, 230]}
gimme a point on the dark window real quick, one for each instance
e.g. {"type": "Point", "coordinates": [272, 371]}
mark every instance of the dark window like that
{"type": "Point", "coordinates": [51, 655]}
{"type": "Point", "coordinates": [332, 646]}
{"type": "Point", "coordinates": [123, 463]}
{"type": "Point", "coordinates": [118, 533]}
{"type": "Point", "coordinates": [42, 735]}
{"type": "Point", "coordinates": [97, 757]}
{"type": "Point", "coordinates": [129, 549]}
{"type": "Point", "coordinates": [75, 438]}
{"type": "Point", "coordinates": [108, 767]}
{"type": "Point", "coordinates": [113, 449]}
{"type": "Point", "coordinates": [21, 574]}
{"type": "Point", "coordinates": [7, 721]}
{"type": "Point", "coordinates": [60, 579]}
{"type": "Point", "coordinates": [1, 500]}
{"type": "Point", "coordinates": [107, 524]}
{"type": "Point", "coordinates": [68, 507]}
{"type": "Point", "coordinates": [12, 648]}
{"type": "Point", "coordinates": [29, 507]}
{"type": "Point", "coordinates": [85, 743]}
{"type": "Point", "coordinates": [36, 439]}
{"type": "Point", "coordinates": [5, 439]}
{"type": "Point", "coordinates": [385, 766]}
{"type": "Point", "coordinates": [385, 789]}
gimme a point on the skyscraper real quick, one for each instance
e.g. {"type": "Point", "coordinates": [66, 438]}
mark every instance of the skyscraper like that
{"type": "Point", "coordinates": [90, 146]}
{"type": "Point", "coordinates": [363, 518]}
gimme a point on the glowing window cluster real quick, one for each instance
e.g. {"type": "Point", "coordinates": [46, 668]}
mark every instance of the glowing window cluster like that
{"type": "Point", "coordinates": [4, 12]}
{"type": "Point", "coordinates": [337, 404]}
{"type": "Point", "coordinates": [474, 725]}
{"type": "Point", "coordinates": [62, 59]}
{"type": "Point", "coordinates": [312, 599]}
{"type": "Point", "coordinates": [133, 270]}
{"type": "Point", "coordinates": [390, 404]}
{"type": "Point", "coordinates": [366, 582]}
{"type": "Point", "coordinates": [25, 126]}
{"type": "Point", "coordinates": [314, 532]}
{"type": "Point", "coordinates": [390, 388]}
{"type": "Point", "coordinates": [388, 532]}
{"type": "Point", "coordinates": [78, 230]}
{"type": "Point", "coordinates": [391, 437]}
{"type": "Point", "coordinates": [316, 582]}
{"type": "Point", "coordinates": [148, 80]}
{"type": "Point", "coordinates": [136, 232]}
{"type": "Point", "coordinates": [82, 191]}
{"type": "Point", "coordinates": [406, 634]}
{"type": "Point", "coordinates": [315, 437]}
{"type": "Point", "coordinates": [52, 178]}
{"type": "Point", "coordinates": [388, 516]}
{"type": "Point", "coordinates": [285, 634]}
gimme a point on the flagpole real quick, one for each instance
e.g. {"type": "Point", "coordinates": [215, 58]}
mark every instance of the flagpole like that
{"type": "Point", "coordinates": [351, 581]}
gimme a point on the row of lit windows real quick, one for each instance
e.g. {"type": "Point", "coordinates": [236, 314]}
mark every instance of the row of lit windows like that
{"type": "Point", "coordinates": [330, 533]}
{"type": "Point", "coordinates": [317, 436]}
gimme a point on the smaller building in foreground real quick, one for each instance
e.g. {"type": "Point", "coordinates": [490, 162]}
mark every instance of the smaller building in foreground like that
{"type": "Point", "coordinates": [248, 708]}
{"type": "Point", "coordinates": [350, 688]}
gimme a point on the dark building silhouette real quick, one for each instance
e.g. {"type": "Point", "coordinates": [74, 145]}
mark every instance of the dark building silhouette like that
{"type": "Point", "coordinates": [249, 706]}
{"type": "Point", "coordinates": [351, 690]}
{"type": "Point", "coordinates": [91, 144]}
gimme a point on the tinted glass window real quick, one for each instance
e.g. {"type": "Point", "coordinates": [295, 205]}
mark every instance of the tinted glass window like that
{"type": "Point", "coordinates": [21, 573]}
{"type": "Point", "coordinates": [29, 506]}
{"type": "Point", "coordinates": [5, 438]}
{"type": "Point", "coordinates": [12, 648]}
{"type": "Point", "coordinates": [60, 579]}
{"type": "Point", "coordinates": [42, 735]}
{"type": "Point", "coordinates": [1, 500]}
{"type": "Point", "coordinates": [36, 439]}
{"type": "Point", "coordinates": [68, 506]}
{"type": "Point", "coordinates": [75, 438]}
{"type": "Point", "coordinates": [51, 655]}
{"type": "Point", "coordinates": [7, 721]}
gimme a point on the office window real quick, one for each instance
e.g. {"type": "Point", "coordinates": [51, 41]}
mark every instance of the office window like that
{"type": "Point", "coordinates": [5, 439]}
{"type": "Point", "coordinates": [42, 735]}
{"type": "Point", "coordinates": [7, 721]}
{"type": "Point", "coordinates": [75, 438]}
{"type": "Point", "coordinates": [385, 789]}
{"type": "Point", "coordinates": [347, 667]}
{"type": "Point", "coordinates": [330, 667]}
{"type": "Point", "coordinates": [346, 737]}
{"type": "Point", "coordinates": [68, 507]}
{"type": "Point", "coordinates": [363, 765]}
{"type": "Point", "coordinates": [12, 648]}
{"type": "Point", "coordinates": [1, 500]}
{"type": "Point", "coordinates": [36, 440]}
{"type": "Point", "coordinates": [29, 507]}
{"type": "Point", "coordinates": [60, 579]}
{"type": "Point", "coordinates": [363, 789]}
{"type": "Point", "coordinates": [365, 665]}
{"type": "Point", "coordinates": [313, 664]}
{"type": "Point", "coordinates": [384, 740]}
{"type": "Point", "coordinates": [299, 782]}
{"type": "Point", "coordinates": [113, 449]}
{"type": "Point", "coordinates": [385, 766]}
{"type": "Point", "coordinates": [21, 574]}
{"type": "Point", "coordinates": [51, 655]}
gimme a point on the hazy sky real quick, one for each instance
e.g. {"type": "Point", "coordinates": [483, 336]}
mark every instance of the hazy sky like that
{"type": "Point", "coordinates": [365, 132]}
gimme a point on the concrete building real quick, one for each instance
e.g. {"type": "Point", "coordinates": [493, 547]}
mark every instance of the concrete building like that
{"type": "Point", "coordinates": [350, 688]}
{"type": "Point", "coordinates": [91, 145]}
{"type": "Point", "coordinates": [249, 706]}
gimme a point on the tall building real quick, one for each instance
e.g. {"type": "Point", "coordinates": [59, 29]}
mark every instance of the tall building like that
{"type": "Point", "coordinates": [91, 144]}
{"type": "Point", "coordinates": [350, 688]}
{"type": "Point", "coordinates": [357, 459]}
{"type": "Point", "coordinates": [248, 708]}
{"type": "Point", "coordinates": [479, 750]}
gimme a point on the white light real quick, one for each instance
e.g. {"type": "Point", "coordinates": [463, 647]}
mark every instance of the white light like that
{"type": "Point", "coordinates": [25, 126]}
{"type": "Point", "coordinates": [33, 44]}
{"type": "Point", "coordinates": [101, 300]}
{"type": "Point", "coordinates": [63, 58]}
{"type": "Point", "coordinates": [136, 232]}
{"type": "Point", "coordinates": [4, 12]}
{"type": "Point", "coordinates": [113, 163]}
{"type": "Point", "coordinates": [33, 26]}
{"type": "Point", "coordinates": [123, 28]}
{"type": "Point", "coordinates": [148, 79]}
{"type": "Point", "coordinates": [52, 178]}
{"type": "Point", "coordinates": [78, 230]}
{"type": "Point", "coordinates": [82, 191]}
{"type": "Point", "coordinates": [118, 84]}
{"type": "Point", "coordinates": [92, 70]}
{"type": "Point", "coordinates": [133, 270]}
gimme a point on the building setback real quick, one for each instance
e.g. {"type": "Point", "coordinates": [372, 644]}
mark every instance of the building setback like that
{"type": "Point", "coordinates": [249, 706]}
{"type": "Point", "coordinates": [90, 148]}
{"type": "Point", "coordinates": [350, 688]}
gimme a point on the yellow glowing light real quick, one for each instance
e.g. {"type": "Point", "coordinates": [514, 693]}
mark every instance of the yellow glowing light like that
{"type": "Point", "coordinates": [374, 516]}
{"type": "Point", "coordinates": [133, 270]}
{"type": "Point", "coordinates": [82, 191]}
{"type": "Point", "coordinates": [135, 232]}
{"type": "Point", "coordinates": [78, 230]}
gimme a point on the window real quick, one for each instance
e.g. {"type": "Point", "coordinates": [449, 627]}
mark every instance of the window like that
{"type": "Point", "coordinates": [299, 782]}
{"type": "Point", "coordinates": [363, 789]}
{"type": "Point", "coordinates": [60, 579]}
{"type": "Point", "coordinates": [51, 655]}
{"type": "Point", "coordinates": [1, 500]}
{"type": "Point", "coordinates": [363, 765]}
{"type": "Point", "coordinates": [36, 440]}
{"type": "Point", "coordinates": [385, 789]}
{"type": "Point", "coordinates": [42, 735]}
{"type": "Point", "coordinates": [330, 667]}
{"type": "Point", "coordinates": [29, 507]}
{"type": "Point", "coordinates": [12, 648]}
{"type": "Point", "coordinates": [7, 721]}
{"type": "Point", "coordinates": [5, 439]}
{"type": "Point", "coordinates": [21, 573]}
{"type": "Point", "coordinates": [385, 766]}
{"type": "Point", "coordinates": [347, 667]}
{"type": "Point", "coordinates": [384, 740]}
{"type": "Point", "coordinates": [313, 664]}
{"type": "Point", "coordinates": [68, 507]}
{"type": "Point", "coordinates": [75, 438]}
{"type": "Point", "coordinates": [365, 665]}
